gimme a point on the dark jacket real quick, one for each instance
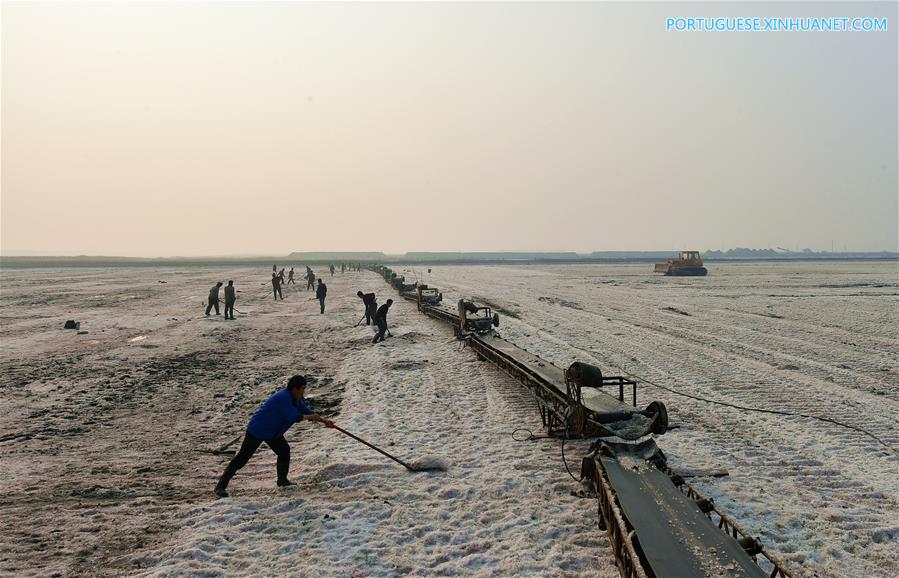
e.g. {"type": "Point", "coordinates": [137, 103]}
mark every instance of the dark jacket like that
{"type": "Point", "coordinates": [229, 294]}
{"type": "Point", "coordinates": [369, 299]}
{"type": "Point", "coordinates": [214, 293]}
{"type": "Point", "coordinates": [276, 415]}
{"type": "Point", "coordinates": [321, 291]}
{"type": "Point", "coordinates": [382, 312]}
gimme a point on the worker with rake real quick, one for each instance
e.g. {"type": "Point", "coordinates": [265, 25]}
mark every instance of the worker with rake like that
{"type": "Point", "coordinates": [214, 299]}
{"type": "Point", "coordinates": [371, 306]}
{"type": "Point", "coordinates": [381, 321]}
{"type": "Point", "coordinates": [269, 424]}
{"type": "Point", "coordinates": [276, 287]}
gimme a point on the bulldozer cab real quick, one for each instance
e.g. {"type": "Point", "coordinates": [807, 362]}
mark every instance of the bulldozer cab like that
{"type": "Point", "coordinates": [691, 257]}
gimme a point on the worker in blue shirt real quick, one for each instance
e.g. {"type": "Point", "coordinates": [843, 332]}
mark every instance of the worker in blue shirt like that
{"type": "Point", "coordinates": [269, 424]}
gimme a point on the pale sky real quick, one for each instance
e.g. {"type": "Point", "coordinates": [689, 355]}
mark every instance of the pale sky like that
{"type": "Point", "coordinates": [158, 129]}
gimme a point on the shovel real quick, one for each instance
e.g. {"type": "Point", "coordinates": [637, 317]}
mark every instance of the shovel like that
{"type": "Point", "coordinates": [433, 467]}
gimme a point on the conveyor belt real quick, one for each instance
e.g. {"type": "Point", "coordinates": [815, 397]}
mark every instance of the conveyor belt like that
{"type": "Point", "coordinates": [593, 399]}
{"type": "Point", "coordinates": [677, 540]}
{"type": "Point", "coordinates": [550, 375]}
{"type": "Point", "coordinates": [441, 313]}
{"type": "Point", "coordinates": [596, 412]}
{"type": "Point", "coordinates": [656, 530]}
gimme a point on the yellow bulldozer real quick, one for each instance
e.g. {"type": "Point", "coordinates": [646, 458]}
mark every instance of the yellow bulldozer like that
{"type": "Point", "coordinates": [689, 264]}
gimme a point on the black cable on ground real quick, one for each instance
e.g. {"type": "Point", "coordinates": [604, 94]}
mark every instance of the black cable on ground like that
{"type": "Point", "coordinates": [532, 437]}
{"type": "Point", "coordinates": [755, 409]}
{"type": "Point", "coordinates": [525, 439]}
{"type": "Point", "coordinates": [566, 462]}
{"type": "Point", "coordinates": [762, 410]}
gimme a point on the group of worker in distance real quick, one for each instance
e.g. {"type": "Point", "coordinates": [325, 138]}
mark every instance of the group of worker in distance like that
{"type": "Point", "coordinates": [321, 291]}
{"type": "Point", "coordinates": [373, 313]}
{"type": "Point", "coordinates": [286, 406]}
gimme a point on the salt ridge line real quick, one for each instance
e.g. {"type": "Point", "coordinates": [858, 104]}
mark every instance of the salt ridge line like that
{"type": "Point", "coordinates": [696, 552]}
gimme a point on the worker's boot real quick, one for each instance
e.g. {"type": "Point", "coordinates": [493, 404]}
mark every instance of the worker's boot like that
{"type": "Point", "coordinates": [221, 488]}
{"type": "Point", "coordinates": [283, 467]}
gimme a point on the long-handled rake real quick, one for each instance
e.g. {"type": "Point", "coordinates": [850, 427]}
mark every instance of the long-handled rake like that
{"type": "Point", "coordinates": [425, 466]}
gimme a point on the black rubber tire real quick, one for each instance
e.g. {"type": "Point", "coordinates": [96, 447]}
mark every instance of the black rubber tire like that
{"type": "Point", "coordinates": [660, 423]}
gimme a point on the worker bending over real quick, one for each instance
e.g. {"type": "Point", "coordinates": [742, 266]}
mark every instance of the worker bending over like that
{"type": "Point", "coordinates": [269, 424]}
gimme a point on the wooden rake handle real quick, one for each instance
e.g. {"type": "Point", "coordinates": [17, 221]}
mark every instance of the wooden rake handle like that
{"type": "Point", "coordinates": [376, 448]}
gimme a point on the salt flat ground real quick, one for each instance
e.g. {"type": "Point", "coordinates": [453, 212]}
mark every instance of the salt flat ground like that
{"type": "Point", "coordinates": [106, 436]}
{"type": "Point", "coordinates": [812, 338]}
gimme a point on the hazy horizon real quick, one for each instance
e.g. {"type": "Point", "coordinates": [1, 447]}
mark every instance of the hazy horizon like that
{"type": "Point", "coordinates": [334, 254]}
{"type": "Point", "coordinates": [204, 129]}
